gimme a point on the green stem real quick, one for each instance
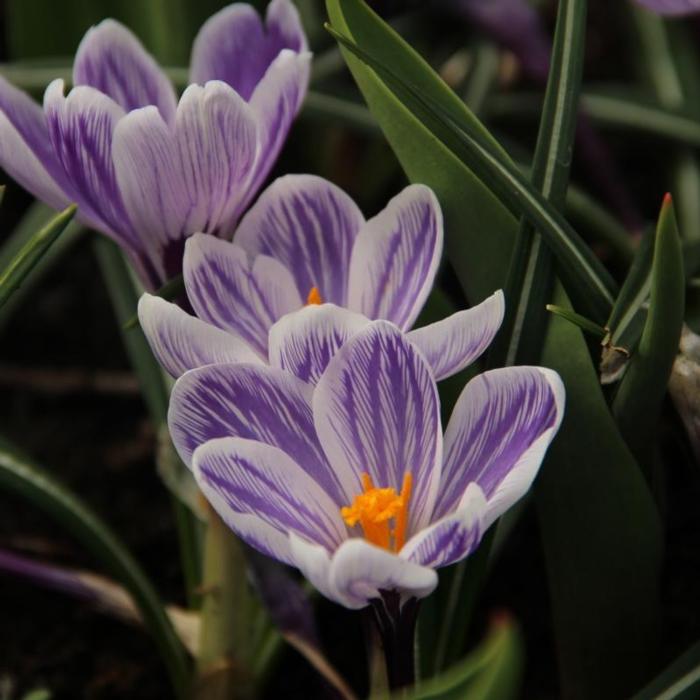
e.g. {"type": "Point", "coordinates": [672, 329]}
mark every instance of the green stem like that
{"type": "Point", "coordinates": [227, 618]}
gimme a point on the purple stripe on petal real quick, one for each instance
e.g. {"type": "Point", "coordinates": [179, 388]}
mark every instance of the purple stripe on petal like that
{"type": "Point", "coordinates": [376, 410]}
{"type": "Point", "coordinates": [26, 152]}
{"type": "Point", "coordinates": [455, 342]}
{"type": "Point", "coordinates": [276, 101]}
{"type": "Point", "coordinates": [251, 402]}
{"type": "Point", "coordinates": [81, 128]}
{"type": "Point", "coordinates": [262, 480]}
{"type": "Point", "coordinates": [453, 537]}
{"type": "Point", "coordinates": [499, 416]}
{"type": "Point", "coordinates": [396, 256]}
{"type": "Point", "coordinates": [226, 290]}
{"type": "Point", "coordinates": [304, 342]}
{"type": "Point", "coordinates": [112, 60]}
{"type": "Point", "coordinates": [233, 45]}
{"type": "Point", "coordinates": [360, 571]}
{"type": "Point", "coordinates": [309, 225]}
{"type": "Point", "coordinates": [181, 342]}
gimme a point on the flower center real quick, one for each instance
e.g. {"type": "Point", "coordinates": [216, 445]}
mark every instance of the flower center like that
{"type": "Point", "coordinates": [382, 513]}
{"type": "Point", "coordinates": [314, 297]}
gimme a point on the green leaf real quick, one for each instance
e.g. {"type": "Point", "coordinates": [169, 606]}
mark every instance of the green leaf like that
{"type": "Point", "coordinates": [582, 272]}
{"type": "Point", "coordinates": [39, 694]}
{"type": "Point", "coordinates": [581, 321]}
{"type": "Point", "coordinates": [493, 671]}
{"type": "Point", "coordinates": [637, 403]}
{"type": "Point", "coordinates": [155, 389]}
{"type": "Point", "coordinates": [35, 218]}
{"type": "Point", "coordinates": [14, 274]}
{"type": "Point", "coordinates": [680, 681]}
{"type": "Point", "coordinates": [18, 475]}
{"type": "Point", "coordinates": [599, 523]}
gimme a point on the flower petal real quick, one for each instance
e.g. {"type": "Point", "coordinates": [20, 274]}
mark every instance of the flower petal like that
{"type": "Point", "coordinates": [456, 341]}
{"type": "Point", "coordinates": [252, 402]}
{"type": "Point", "coordinates": [358, 572]}
{"type": "Point", "coordinates": [176, 181]}
{"type": "Point", "coordinates": [262, 480]}
{"type": "Point", "coordinates": [276, 102]}
{"type": "Point", "coordinates": [253, 530]}
{"type": "Point", "coordinates": [303, 342]}
{"type": "Point", "coordinates": [181, 342]}
{"type": "Point", "coordinates": [233, 45]}
{"type": "Point", "coordinates": [499, 431]}
{"type": "Point", "coordinates": [81, 128]}
{"type": "Point", "coordinates": [112, 60]}
{"type": "Point", "coordinates": [309, 225]}
{"type": "Point", "coordinates": [451, 538]}
{"type": "Point", "coordinates": [396, 256]}
{"type": "Point", "coordinates": [376, 410]}
{"type": "Point", "coordinates": [226, 290]}
{"type": "Point", "coordinates": [26, 153]}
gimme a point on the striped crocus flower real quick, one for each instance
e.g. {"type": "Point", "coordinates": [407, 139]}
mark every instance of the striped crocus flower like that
{"type": "Point", "coordinates": [148, 170]}
{"type": "Point", "coordinates": [305, 244]}
{"type": "Point", "coordinates": [351, 480]}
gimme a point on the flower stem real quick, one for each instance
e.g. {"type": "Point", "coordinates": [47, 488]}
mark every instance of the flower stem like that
{"type": "Point", "coordinates": [227, 618]}
{"type": "Point", "coordinates": [396, 625]}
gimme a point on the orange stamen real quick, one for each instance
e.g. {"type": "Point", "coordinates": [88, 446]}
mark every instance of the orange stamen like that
{"type": "Point", "coordinates": [314, 297]}
{"type": "Point", "coordinates": [375, 508]}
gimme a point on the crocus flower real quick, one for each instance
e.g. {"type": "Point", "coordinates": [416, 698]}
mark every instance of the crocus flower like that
{"type": "Point", "coordinates": [352, 481]}
{"type": "Point", "coordinates": [144, 169]}
{"type": "Point", "coordinates": [306, 243]}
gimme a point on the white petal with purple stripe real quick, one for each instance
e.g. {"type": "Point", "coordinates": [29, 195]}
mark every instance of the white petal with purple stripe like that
{"type": "Point", "coordinates": [455, 342]}
{"type": "Point", "coordinates": [230, 292]}
{"type": "Point", "coordinates": [309, 225]}
{"type": "Point", "coordinates": [303, 342]}
{"type": "Point", "coordinates": [396, 256]}
{"type": "Point", "coordinates": [182, 342]}
{"type": "Point", "coordinates": [376, 410]}
{"type": "Point", "coordinates": [500, 428]}
{"type": "Point", "coordinates": [262, 480]}
{"type": "Point", "coordinates": [252, 402]}
{"type": "Point", "coordinates": [112, 60]}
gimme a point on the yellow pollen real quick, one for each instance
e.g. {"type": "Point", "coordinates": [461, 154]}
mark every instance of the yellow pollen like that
{"type": "Point", "coordinates": [375, 508]}
{"type": "Point", "coordinates": [314, 297]}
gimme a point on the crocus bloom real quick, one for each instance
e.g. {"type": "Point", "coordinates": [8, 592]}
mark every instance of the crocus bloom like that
{"type": "Point", "coordinates": [352, 481]}
{"type": "Point", "coordinates": [305, 242]}
{"type": "Point", "coordinates": [144, 169]}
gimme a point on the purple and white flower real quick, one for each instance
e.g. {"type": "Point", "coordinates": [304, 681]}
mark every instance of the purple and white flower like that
{"type": "Point", "coordinates": [351, 480]}
{"type": "Point", "coordinates": [148, 170]}
{"type": "Point", "coordinates": [305, 240]}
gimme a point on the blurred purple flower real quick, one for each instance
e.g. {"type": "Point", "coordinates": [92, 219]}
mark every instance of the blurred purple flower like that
{"type": "Point", "coordinates": [144, 169]}
{"type": "Point", "coordinates": [671, 7]}
{"type": "Point", "coordinates": [305, 242]}
{"type": "Point", "coordinates": [351, 481]}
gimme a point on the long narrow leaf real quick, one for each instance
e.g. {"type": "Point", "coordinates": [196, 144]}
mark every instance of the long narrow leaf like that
{"type": "Point", "coordinates": [638, 400]}
{"type": "Point", "coordinates": [12, 277]}
{"type": "Point", "coordinates": [23, 478]}
{"type": "Point", "coordinates": [587, 280]}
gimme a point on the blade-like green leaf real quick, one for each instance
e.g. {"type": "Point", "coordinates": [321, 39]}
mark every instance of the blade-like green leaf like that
{"type": "Point", "coordinates": [20, 476]}
{"type": "Point", "coordinates": [12, 277]}
{"type": "Point", "coordinates": [680, 681]}
{"type": "Point", "coordinates": [592, 499]}
{"type": "Point", "coordinates": [120, 285]}
{"type": "Point", "coordinates": [582, 272]}
{"type": "Point", "coordinates": [493, 671]}
{"type": "Point", "coordinates": [638, 399]}
{"type": "Point", "coordinates": [35, 218]}
{"type": "Point", "coordinates": [581, 321]}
